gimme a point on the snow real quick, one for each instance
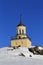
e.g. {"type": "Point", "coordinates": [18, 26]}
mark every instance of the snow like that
{"type": "Point", "coordinates": [40, 48]}
{"type": "Point", "coordinates": [10, 56]}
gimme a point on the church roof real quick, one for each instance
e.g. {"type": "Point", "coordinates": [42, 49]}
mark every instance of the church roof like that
{"type": "Point", "coordinates": [21, 25]}
{"type": "Point", "coordinates": [13, 38]}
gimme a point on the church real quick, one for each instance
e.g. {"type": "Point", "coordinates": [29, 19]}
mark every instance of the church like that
{"type": "Point", "coordinates": [21, 39]}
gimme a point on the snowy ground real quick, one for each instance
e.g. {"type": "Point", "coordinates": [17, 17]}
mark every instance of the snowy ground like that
{"type": "Point", "coordinates": [11, 57]}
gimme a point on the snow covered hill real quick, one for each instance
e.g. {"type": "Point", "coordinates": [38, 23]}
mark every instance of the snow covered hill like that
{"type": "Point", "coordinates": [19, 56]}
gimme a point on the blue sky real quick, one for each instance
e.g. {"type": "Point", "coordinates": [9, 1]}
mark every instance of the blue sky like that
{"type": "Point", "coordinates": [32, 17]}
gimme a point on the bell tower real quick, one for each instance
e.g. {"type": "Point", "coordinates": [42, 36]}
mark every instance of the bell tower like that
{"type": "Point", "coordinates": [21, 30]}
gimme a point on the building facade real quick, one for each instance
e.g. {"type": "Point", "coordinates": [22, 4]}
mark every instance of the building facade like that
{"type": "Point", "coordinates": [21, 38]}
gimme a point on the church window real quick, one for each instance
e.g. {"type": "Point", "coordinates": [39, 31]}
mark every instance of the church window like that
{"type": "Point", "coordinates": [19, 37]}
{"type": "Point", "coordinates": [19, 31]}
{"type": "Point", "coordinates": [22, 31]}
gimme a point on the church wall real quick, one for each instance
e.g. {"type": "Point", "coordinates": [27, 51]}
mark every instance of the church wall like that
{"type": "Point", "coordinates": [21, 42]}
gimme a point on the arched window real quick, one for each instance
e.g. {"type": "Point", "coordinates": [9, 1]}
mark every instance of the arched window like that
{"type": "Point", "coordinates": [19, 31]}
{"type": "Point", "coordinates": [19, 37]}
{"type": "Point", "coordinates": [22, 31]}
